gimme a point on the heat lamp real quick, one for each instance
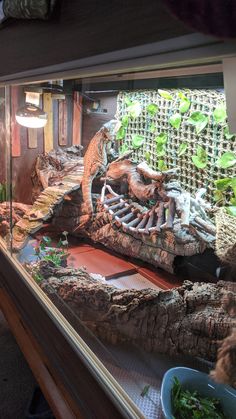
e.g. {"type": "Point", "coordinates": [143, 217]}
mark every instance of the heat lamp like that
{"type": "Point", "coordinates": [30, 115]}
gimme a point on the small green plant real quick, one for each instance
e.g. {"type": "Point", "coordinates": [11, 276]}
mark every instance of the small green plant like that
{"type": "Point", "coordinates": [44, 252]}
{"type": "Point", "coordinates": [225, 194]}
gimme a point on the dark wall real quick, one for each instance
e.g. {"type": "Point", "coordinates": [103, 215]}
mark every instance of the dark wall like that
{"type": "Point", "coordinates": [92, 122]}
{"type": "Point", "coordinates": [84, 28]}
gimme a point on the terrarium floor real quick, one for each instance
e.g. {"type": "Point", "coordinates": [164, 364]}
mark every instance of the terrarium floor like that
{"type": "Point", "coordinates": [117, 270]}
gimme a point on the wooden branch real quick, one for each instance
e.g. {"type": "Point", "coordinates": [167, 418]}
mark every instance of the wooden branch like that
{"type": "Point", "coordinates": [149, 173]}
{"type": "Point", "coordinates": [183, 206]}
{"type": "Point", "coordinates": [161, 218]}
{"type": "Point", "coordinates": [187, 320]}
{"type": "Point", "coordinates": [207, 226]}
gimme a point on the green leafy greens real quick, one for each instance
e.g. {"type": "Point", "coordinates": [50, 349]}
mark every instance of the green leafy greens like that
{"type": "Point", "coordinates": [190, 405]}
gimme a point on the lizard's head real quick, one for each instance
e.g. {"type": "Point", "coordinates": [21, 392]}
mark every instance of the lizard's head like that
{"type": "Point", "coordinates": [110, 128]}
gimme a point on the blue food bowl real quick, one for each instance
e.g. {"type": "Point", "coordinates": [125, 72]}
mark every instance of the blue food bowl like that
{"type": "Point", "coordinates": [194, 380]}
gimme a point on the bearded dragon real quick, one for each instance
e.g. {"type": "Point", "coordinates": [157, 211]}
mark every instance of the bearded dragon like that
{"type": "Point", "coordinates": [95, 163]}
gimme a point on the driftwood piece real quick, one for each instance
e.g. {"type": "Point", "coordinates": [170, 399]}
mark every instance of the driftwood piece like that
{"type": "Point", "coordinates": [52, 167]}
{"type": "Point", "coordinates": [118, 171]}
{"type": "Point", "coordinates": [17, 210]}
{"type": "Point", "coordinates": [149, 173]}
{"type": "Point", "coordinates": [146, 184]}
{"type": "Point", "coordinates": [186, 320]}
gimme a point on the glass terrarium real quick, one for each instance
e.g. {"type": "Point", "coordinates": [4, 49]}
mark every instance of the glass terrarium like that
{"type": "Point", "coordinates": [118, 199]}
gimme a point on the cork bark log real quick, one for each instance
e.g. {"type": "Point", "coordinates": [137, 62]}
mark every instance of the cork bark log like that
{"type": "Point", "coordinates": [189, 320]}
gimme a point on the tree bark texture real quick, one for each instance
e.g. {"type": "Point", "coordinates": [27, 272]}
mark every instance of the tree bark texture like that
{"type": "Point", "coordinates": [188, 320]}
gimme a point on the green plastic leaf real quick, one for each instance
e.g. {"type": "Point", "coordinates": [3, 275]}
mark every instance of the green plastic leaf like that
{"type": "Point", "coordinates": [175, 120]}
{"type": "Point", "coordinates": [134, 110]}
{"type": "Point", "coordinates": [226, 160]}
{"type": "Point", "coordinates": [227, 134]}
{"type": "Point", "coordinates": [128, 101]}
{"type": "Point", "coordinates": [199, 120]}
{"type": "Point", "coordinates": [218, 196]}
{"type": "Point", "coordinates": [152, 109]}
{"type": "Point", "coordinates": [121, 133]}
{"type": "Point", "coordinates": [233, 201]}
{"type": "Point", "coordinates": [182, 96]}
{"type": "Point", "coordinates": [200, 160]}
{"type": "Point", "coordinates": [165, 94]}
{"type": "Point", "coordinates": [201, 153]}
{"type": "Point", "coordinates": [160, 149]}
{"type": "Point", "coordinates": [220, 114]}
{"type": "Point", "coordinates": [231, 210]}
{"type": "Point", "coordinates": [124, 149]}
{"type": "Point", "coordinates": [184, 105]}
{"type": "Point", "coordinates": [147, 156]}
{"type": "Point", "coordinates": [223, 184]}
{"type": "Point", "coordinates": [152, 128]}
{"type": "Point", "coordinates": [233, 185]}
{"type": "Point", "coordinates": [161, 138]}
{"type": "Point", "coordinates": [161, 165]}
{"type": "Point", "coordinates": [125, 121]}
{"type": "Point", "coordinates": [182, 148]}
{"type": "Point", "coordinates": [137, 140]}
{"type": "Point", "coordinates": [198, 163]}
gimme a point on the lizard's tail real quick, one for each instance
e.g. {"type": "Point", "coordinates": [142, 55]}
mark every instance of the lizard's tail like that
{"type": "Point", "coordinates": [87, 196]}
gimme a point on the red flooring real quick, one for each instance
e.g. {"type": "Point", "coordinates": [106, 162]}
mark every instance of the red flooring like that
{"type": "Point", "coordinates": [100, 261]}
{"type": "Point", "coordinates": [97, 259]}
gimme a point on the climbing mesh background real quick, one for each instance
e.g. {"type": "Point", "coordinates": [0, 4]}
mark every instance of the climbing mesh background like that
{"type": "Point", "coordinates": [211, 138]}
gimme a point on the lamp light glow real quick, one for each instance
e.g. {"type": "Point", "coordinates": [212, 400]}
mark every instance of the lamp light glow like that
{"type": "Point", "coordinates": [31, 116]}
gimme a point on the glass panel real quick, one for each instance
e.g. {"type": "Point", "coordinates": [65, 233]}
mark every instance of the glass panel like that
{"type": "Point", "coordinates": [129, 178]}
{"type": "Point", "coordinates": [5, 169]}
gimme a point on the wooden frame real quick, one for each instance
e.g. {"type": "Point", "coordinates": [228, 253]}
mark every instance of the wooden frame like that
{"type": "Point", "coordinates": [75, 371]}
{"type": "Point", "coordinates": [62, 350]}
